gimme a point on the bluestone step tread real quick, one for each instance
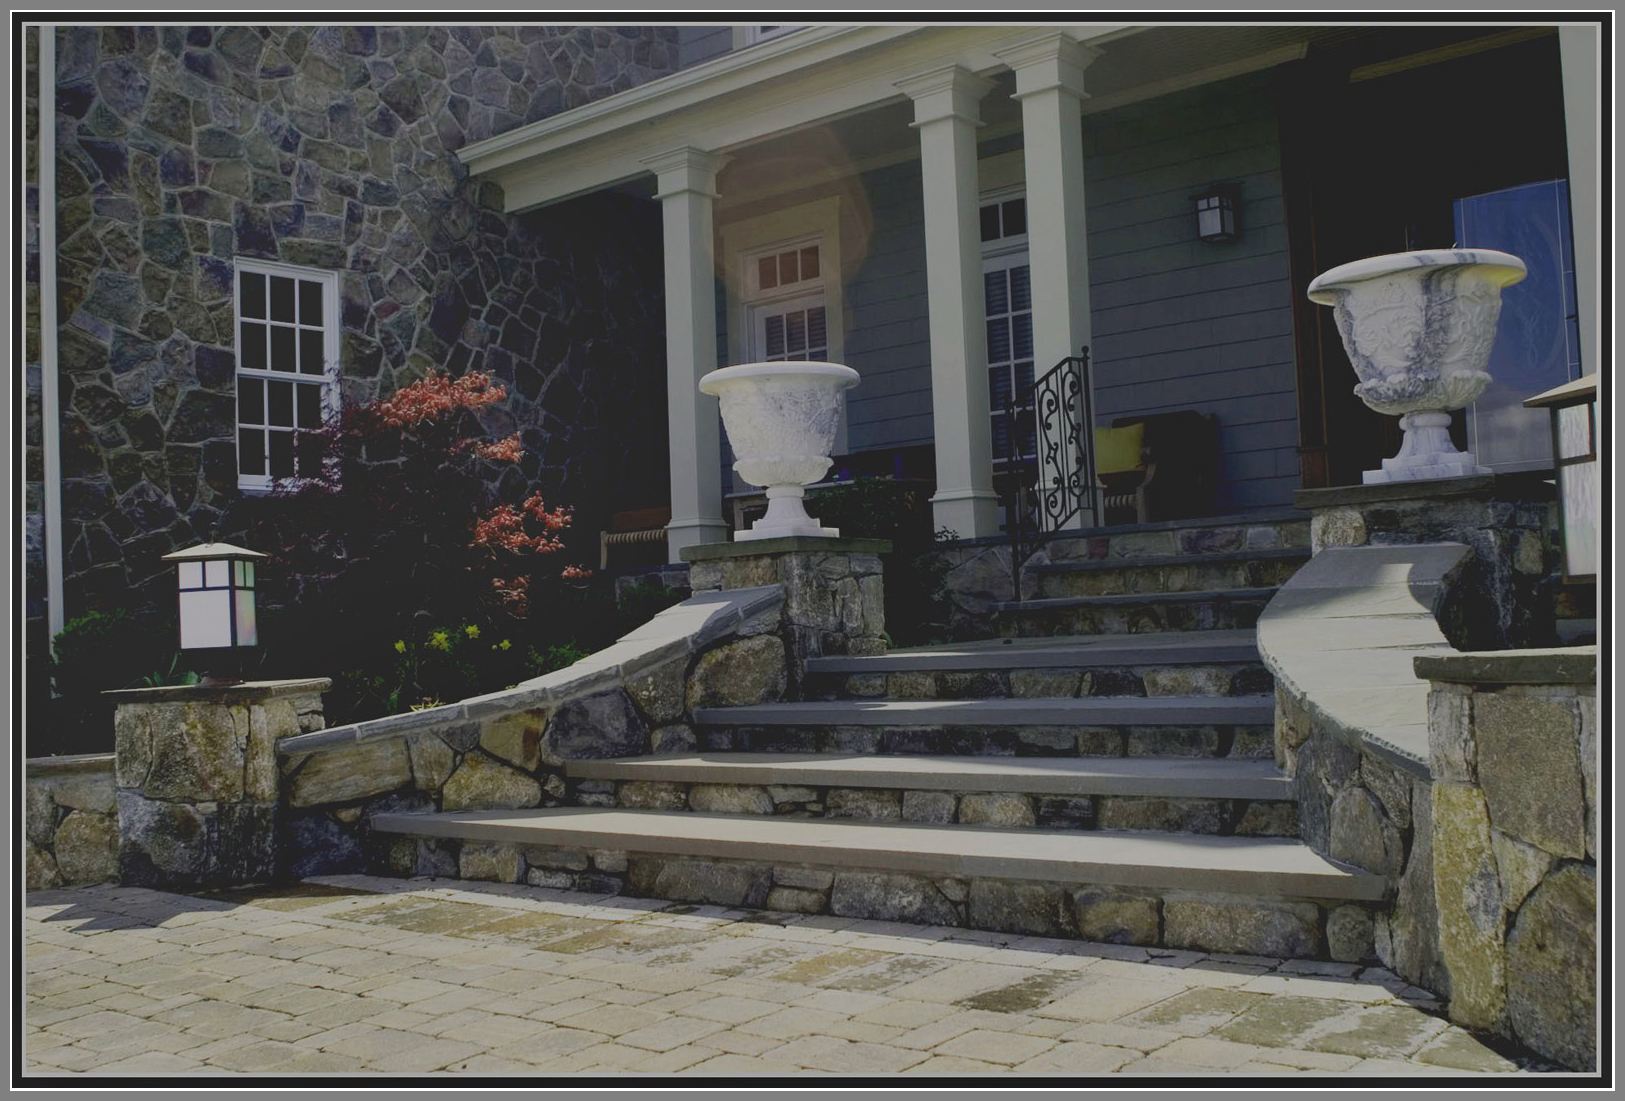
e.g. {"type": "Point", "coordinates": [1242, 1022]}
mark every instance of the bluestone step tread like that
{"type": "Point", "coordinates": [1206, 778]}
{"type": "Point", "coordinates": [1194, 597]}
{"type": "Point", "coordinates": [1186, 862]}
{"type": "Point", "coordinates": [1088, 711]}
{"type": "Point", "coordinates": [1216, 558]}
{"type": "Point", "coordinates": [1057, 652]}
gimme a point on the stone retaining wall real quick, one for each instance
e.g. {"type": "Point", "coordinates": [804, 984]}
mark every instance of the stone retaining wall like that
{"type": "Point", "coordinates": [1515, 819]}
{"type": "Point", "coordinates": [507, 750]}
{"type": "Point", "coordinates": [71, 821]}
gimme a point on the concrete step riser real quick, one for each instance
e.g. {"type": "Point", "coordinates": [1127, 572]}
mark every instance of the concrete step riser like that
{"type": "Point", "coordinates": [1130, 618]}
{"type": "Point", "coordinates": [1017, 810]}
{"type": "Point", "coordinates": [1249, 741]}
{"type": "Point", "coordinates": [1218, 679]}
{"type": "Point", "coordinates": [1282, 927]}
{"type": "Point", "coordinates": [1195, 577]}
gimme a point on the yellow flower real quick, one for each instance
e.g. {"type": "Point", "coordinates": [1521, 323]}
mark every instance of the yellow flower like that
{"type": "Point", "coordinates": [472, 631]}
{"type": "Point", "coordinates": [400, 646]}
{"type": "Point", "coordinates": [440, 640]}
{"type": "Point", "coordinates": [506, 644]}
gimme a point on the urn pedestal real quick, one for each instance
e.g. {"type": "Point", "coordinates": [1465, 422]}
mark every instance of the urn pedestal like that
{"type": "Point", "coordinates": [1418, 327]}
{"type": "Point", "coordinates": [781, 420]}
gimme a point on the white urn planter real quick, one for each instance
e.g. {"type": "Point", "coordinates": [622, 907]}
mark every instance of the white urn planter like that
{"type": "Point", "coordinates": [781, 420]}
{"type": "Point", "coordinates": [1418, 327]}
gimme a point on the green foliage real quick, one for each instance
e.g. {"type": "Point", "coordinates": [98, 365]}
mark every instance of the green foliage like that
{"type": "Point", "coordinates": [95, 653]}
{"type": "Point", "coordinates": [917, 602]}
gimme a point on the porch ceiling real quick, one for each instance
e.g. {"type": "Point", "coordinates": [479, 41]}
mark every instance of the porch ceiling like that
{"type": "Point", "coordinates": [829, 93]}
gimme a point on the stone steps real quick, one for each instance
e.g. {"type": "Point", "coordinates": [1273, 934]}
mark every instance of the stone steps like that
{"type": "Point", "coordinates": [1169, 573]}
{"type": "Point", "coordinates": [1133, 613]}
{"type": "Point", "coordinates": [1212, 726]}
{"type": "Point", "coordinates": [1209, 663]}
{"type": "Point", "coordinates": [1269, 896]}
{"type": "Point", "coordinates": [1208, 796]}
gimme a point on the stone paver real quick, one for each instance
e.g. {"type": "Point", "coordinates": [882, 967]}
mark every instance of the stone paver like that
{"type": "Point", "coordinates": [359, 975]}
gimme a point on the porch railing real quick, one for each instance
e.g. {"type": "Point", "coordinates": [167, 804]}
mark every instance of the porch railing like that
{"type": "Point", "coordinates": [1048, 479]}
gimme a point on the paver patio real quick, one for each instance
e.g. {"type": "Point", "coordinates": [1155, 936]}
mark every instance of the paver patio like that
{"type": "Point", "coordinates": [354, 974]}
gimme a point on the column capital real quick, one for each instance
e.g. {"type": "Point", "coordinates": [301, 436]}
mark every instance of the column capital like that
{"type": "Point", "coordinates": [949, 92]}
{"type": "Point", "coordinates": [685, 168]}
{"type": "Point", "coordinates": [1048, 61]}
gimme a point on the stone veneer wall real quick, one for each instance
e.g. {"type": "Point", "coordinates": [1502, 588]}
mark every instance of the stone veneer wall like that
{"type": "Point", "coordinates": [180, 148]}
{"type": "Point", "coordinates": [507, 750]}
{"type": "Point", "coordinates": [1514, 739]}
{"type": "Point", "coordinates": [70, 821]}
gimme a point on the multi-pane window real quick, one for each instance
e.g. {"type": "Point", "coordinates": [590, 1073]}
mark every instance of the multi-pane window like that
{"type": "Point", "coordinates": [287, 370]}
{"type": "Point", "coordinates": [788, 319]}
{"type": "Point", "coordinates": [1008, 308]}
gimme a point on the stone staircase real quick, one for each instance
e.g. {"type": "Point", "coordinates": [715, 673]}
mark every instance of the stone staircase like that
{"type": "Point", "coordinates": [1103, 771]}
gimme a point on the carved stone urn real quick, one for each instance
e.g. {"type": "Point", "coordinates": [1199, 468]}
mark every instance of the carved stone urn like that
{"type": "Point", "coordinates": [1418, 327]}
{"type": "Point", "coordinates": [781, 419]}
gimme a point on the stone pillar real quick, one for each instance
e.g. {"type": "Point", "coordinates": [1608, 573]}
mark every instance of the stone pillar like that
{"type": "Point", "coordinates": [686, 187]}
{"type": "Point", "coordinates": [1506, 596]}
{"type": "Point", "coordinates": [1513, 750]}
{"type": "Point", "coordinates": [196, 769]}
{"type": "Point", "coordinates": [1049, 85]}
{"type": "Point", "coordinates": [946, 114]}
{"type": "Point", "coordinates": [834, 601]}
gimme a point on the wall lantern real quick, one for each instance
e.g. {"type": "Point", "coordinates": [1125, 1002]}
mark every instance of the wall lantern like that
{"type": "Point", "coordinates": [1574, 453]}
{"type": "Point", "coordinates": [1216, 211]}
{"type": "Point", "coordinates": [217, 597]}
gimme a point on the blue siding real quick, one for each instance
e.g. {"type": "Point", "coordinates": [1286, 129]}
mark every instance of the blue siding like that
{"type": "Point", "coordinates": [1180, 324]}
{"type": "Point", "coordinates": [697, 44]}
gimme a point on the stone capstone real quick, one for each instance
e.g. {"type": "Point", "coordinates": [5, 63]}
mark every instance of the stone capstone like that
{"type": "Point", "coordinates": [1529, 768]}
{"type": "Point", "coordinates": [481, 783]}
{"type": "Point", "coordinates": [1552, 965]}
{"type": "Point", "coordinates": [887, 897]}
{"type": "Point", "coordinates": [746, 671]}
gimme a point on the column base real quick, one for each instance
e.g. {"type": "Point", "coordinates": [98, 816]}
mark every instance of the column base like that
{"type": "Point", "coordinates": [969, 514]}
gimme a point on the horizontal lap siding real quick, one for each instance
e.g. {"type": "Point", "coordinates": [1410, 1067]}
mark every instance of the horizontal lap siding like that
{"type": "Point", "coordinates": [697, 44]}
{"type": "Point", "coordinates": [1180, 324]}
{"type": "Point", "coordinates": [888, 335]}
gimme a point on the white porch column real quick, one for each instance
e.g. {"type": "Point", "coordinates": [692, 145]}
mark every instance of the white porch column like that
{"type": "Point", "coordinates": [686, 187]}
{"type": "Point", "coordinates": [1579, 49]}
{"type": "Point", "coordinates": [946, 115]}
{"type": "Point", "coordinates": [1049, 84]}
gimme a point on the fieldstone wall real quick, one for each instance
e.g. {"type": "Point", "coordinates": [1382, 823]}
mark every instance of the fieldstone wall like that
{"type": "Point", "coordinates": [70, 822]}
{"type": "Point", "coordinates": [834, 597]}
{"type": "Point", "coordinates": [197, 779]}
{"type": "Point", "coordinates": [180, 148]}
{"type": "Point", "coordinates": [508, 750]}
{"type": "Point", "coordinates": [1506, 597]}
{"type": "Point", "coordinates": [1514, 741]}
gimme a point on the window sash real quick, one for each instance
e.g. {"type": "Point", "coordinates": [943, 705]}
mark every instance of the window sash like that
{"type": "Point", "coordinates": [304, 304]}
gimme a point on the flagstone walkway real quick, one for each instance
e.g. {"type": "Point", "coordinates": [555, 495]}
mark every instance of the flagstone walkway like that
{"type": "Point", "coordinates": [353, 974]}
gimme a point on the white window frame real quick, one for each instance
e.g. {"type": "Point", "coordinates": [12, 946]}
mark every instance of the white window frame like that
{"type": "Point", "coordinates": [1001, 254]}
{"type": "Point", "coordinates": [329, 379]}
{"type": "Point", "coordinates": [749, 36]}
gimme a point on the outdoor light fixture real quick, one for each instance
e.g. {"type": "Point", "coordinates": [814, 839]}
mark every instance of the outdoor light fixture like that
{"type": "Point", "coordinates": [1216, 208]}
{"type": "Point", "coordinates": [217, 598]}
{"type": "Point", "coordinates": [1574, 453]}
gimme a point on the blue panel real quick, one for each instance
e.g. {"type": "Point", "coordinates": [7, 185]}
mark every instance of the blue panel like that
{"type": "Point", "coordinates": [1535, 347]}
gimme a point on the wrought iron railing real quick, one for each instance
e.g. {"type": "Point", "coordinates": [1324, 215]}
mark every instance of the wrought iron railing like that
{"type": "Point", "coordinates": [1048, 479]}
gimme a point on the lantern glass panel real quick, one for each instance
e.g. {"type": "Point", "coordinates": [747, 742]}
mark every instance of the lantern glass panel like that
{"type": "Point", "coordinates": [215, 573]}
{"type": "Point", "coordinates": [191, 575]}
{"type": "Point", "coordinates": [1577, 484]}
{"type": "Point", "coordinates": [205, 619]}
{"type": "Point", "coordinates": [247, 629]}
{"type": "Point", "coordinates": [1574, 431]}
{"type": "Point", "coordinates": [1210, 217]}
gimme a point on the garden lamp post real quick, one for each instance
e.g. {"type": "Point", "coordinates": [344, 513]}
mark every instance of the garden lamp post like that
{"type": "Point", "coordinates": [1574, 455]}
{"type": "Point", "coordinates": [216, 595]}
